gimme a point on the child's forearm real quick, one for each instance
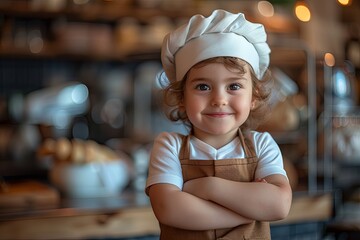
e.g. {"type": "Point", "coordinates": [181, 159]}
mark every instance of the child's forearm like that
{"type": "Point", "coordinates": [182, 210]}
{"type": "Point", "coordinates": [264, 201]}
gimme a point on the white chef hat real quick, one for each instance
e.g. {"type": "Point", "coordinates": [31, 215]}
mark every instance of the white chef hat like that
{"type": "Point", "coordinates": [222, 34]}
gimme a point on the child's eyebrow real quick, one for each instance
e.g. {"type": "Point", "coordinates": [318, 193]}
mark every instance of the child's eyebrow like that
{"type": "Point", "coordinates": [229, 79]}
{"type": "Point", "coordinates": [237, 79]}
{"type": "Point", "coordinates": [200, 79]}
{"type": "Point", "coordinates": [240, 78]}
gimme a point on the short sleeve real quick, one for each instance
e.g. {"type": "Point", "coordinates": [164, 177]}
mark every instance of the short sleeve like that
{"type": "Point", "coordinates": [164, 165]}
{"type": "Point", "coordinates": [269, 154]}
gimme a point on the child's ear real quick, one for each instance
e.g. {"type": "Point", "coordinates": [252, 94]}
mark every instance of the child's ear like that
{"type": "Point", "coordinates": [253, 104]}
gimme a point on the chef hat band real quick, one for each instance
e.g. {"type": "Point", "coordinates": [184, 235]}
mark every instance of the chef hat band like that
{"type": "Point", "coordinates": [213, 45]}
{"type": "Point", "coordinates": [222, 34]}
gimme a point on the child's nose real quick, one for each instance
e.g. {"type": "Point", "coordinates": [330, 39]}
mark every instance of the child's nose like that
{"type": "Point", "coordinates": [219, 98]}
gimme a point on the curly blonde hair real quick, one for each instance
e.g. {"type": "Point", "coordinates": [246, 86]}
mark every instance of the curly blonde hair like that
{"type": "Point", "coordinates": [173, 93]}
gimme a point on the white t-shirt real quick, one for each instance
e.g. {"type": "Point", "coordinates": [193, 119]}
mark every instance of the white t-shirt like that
{"type": "Point", "coordinates": [165, 167]}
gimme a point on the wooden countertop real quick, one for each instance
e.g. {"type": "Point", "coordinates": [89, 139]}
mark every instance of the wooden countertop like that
{"type": "Point", "coordinates": [126, 215]}
{"type": "Point", "coordinates": [76, 206]}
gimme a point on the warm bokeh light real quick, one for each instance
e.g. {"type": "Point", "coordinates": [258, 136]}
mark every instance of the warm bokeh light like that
{"type": "Point", "coordinates": [329, 59]}
{"type": "Point", "coordinates": [345, 2]}
{"type": "Point", "coordinates": [265, 8]}
{"type": "Point", "coordinates": [302, 12]}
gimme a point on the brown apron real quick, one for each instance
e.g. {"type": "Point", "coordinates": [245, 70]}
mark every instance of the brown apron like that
{"type": "Point", "coordinates": [241, 170]}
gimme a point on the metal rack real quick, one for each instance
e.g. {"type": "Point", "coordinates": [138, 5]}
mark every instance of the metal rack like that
{"type": "Point", "coordinates": [335, 116]}
{"type": "Point", "coordinates": [310, 63]}
{"type": "Point", "coordinates": [345, 222]}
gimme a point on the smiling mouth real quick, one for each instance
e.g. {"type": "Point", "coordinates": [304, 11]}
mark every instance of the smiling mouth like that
{"type": "Point", "coordinates": [218, 115]}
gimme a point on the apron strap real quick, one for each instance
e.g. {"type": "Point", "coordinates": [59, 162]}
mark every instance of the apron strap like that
{"type": "Point", "coordinates": [247, 145]}
{"type": "Point", "coordinates": [184, 152]}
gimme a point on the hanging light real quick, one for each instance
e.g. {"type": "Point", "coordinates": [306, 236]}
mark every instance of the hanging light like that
{"type": "Point", "coordinates": [345, 2]}
{"type": "Point", "coordinates": [302, 11]}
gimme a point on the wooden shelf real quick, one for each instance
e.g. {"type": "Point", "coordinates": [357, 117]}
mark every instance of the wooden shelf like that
{"type": "Point", "coordinates": [57, 51]}
{"type": "Point", "coordinates": [107, 12]}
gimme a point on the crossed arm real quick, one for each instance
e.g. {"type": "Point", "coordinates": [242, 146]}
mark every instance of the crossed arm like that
{"type": "Point", "coordinates": [212, 202]}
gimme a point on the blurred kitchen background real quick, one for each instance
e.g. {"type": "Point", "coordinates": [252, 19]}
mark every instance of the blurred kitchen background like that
{"type": "Point", "coordinates": [77, 76]}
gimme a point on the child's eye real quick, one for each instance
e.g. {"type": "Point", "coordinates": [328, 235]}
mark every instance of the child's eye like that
{"type": "Point", "coordinates": [235, 86]}
{"type": "Point", "coordinates": [202, 87]}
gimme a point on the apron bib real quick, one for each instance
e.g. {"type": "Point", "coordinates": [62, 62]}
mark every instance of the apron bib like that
{"type": "Point", "coordinates": [240, 170]}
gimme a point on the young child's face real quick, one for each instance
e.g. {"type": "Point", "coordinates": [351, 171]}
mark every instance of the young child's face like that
{"type": "Point", "coordinates": [217, 100]}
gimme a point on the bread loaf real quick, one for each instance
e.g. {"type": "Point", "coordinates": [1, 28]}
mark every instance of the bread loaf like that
{"type": "Point", "coordinates": [76, 151]}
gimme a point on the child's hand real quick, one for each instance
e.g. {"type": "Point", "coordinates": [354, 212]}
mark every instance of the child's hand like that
{"type": "Point", "coordinates": [262, 180]}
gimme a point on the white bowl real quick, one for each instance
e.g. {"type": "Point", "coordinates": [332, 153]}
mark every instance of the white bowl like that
{"type": "Point", "coordinates": [101, 179]}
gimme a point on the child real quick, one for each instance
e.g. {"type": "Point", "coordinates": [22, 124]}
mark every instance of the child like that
{"type": "Point", "coordinates": [223, 180]}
